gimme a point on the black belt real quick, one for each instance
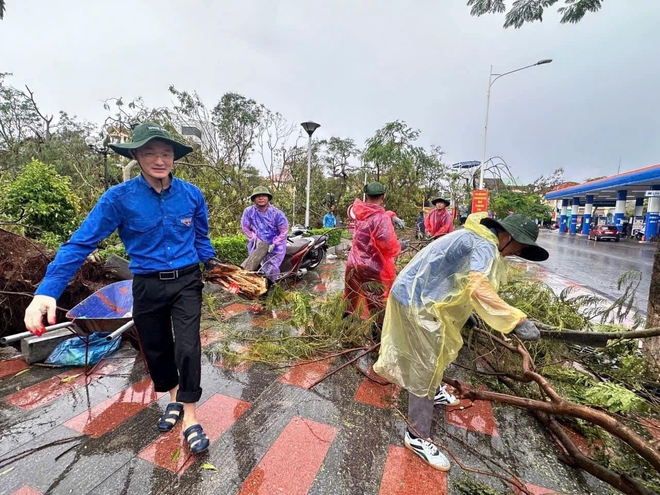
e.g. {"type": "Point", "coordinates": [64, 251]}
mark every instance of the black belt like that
{"type": "Point", "coordinates": [171, 274]}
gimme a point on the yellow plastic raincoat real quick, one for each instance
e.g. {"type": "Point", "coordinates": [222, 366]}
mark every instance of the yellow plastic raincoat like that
{"type": "Point", "coordinates": [431, 300]}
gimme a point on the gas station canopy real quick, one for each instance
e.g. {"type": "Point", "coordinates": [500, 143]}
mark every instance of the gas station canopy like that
{"type": "Point", "coordinates": [636, 183]}
{"type": "Point", "coordinates": [614, 191]}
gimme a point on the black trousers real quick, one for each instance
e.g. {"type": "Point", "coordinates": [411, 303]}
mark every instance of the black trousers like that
{"type": "Point", "coordinates": [167, 316]}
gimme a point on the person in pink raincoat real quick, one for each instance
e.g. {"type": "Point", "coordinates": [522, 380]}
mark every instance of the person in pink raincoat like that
{"type": "Point", "coordinates": [370, 269]}
{"type": "Point", "coordinates": [262, 221]}
{"type": "Point", "coordinates": [439, 221]}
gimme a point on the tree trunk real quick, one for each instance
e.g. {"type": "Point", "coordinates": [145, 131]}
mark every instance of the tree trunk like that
{"type": "Point", "coordinates": [652, 346]}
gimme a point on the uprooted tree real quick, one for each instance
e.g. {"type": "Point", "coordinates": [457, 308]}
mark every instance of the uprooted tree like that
{"type": "Point", "coordinates": [23, 264]}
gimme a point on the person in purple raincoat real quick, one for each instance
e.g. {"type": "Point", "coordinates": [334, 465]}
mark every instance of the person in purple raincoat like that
{"type": "Point", "coordinates": [262, 221]}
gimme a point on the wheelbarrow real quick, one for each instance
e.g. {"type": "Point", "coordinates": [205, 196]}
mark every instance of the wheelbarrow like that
{"type": "Point", "coordinates": [107, 310]}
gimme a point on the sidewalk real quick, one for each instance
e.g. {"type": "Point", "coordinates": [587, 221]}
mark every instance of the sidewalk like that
{"type": "Point", "coordinates": [269, 433]}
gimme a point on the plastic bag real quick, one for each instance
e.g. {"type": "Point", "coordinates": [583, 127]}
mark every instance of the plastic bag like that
{"type": "Point", "coordinates": [71, 352]}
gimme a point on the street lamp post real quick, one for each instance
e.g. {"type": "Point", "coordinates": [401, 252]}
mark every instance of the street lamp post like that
{"type": "Point", "coordinates": [100, 147]}
{"type": "Point", "coordinates": [309, 127]}
{"type": "Point", "coordinates": [490, 83]}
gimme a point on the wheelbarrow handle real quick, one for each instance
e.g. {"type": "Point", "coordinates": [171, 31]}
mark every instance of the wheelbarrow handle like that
{"type": "Point", "coordinates": [20, 336]}
{"type": "Point", "coordinates": [120, 330]}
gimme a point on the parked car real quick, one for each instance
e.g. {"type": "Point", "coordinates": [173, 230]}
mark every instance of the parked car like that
{"type": "Point", "coordinates": [604, 233]}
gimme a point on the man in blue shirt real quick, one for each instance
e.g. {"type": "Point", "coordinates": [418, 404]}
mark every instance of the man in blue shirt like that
{"type": "Point", "coordinates": [329, 220]}
{"type": "Point", "coordinates": [163, 223]}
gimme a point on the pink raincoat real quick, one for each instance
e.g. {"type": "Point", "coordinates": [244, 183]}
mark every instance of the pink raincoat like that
{"type": "Point", "coordinates": [439, 222]}
{"type": "Point", "coordinates": [370, 269]}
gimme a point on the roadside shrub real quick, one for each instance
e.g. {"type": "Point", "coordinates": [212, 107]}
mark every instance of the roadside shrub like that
{"type": "Point", "coordinates": [232, 249]}
{"type": "Point", "coordinates": [112, 245]}
{"type": "Point", "coordinates": [334, 235]}
{"type": "Point", "coordinates": [42, 200]}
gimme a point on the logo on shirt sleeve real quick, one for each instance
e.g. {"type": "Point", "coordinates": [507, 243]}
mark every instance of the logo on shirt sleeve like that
{"type": "Point", "coordinates": [186, 221]}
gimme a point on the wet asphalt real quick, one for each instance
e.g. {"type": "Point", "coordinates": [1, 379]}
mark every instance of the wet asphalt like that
{"type": "Point", "coordinates": [598, 265]}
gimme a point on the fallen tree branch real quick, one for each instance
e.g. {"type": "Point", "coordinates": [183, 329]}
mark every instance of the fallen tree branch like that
{"type": "Point", "coordinates": [6, 461]}
{"type": "Point", "coordinates": [347, 363]}
{"type": "Point", "coordinates": [563, 407]}
{"type": "Point", "coordinates": [557, 405]}
{"type": "Point", "coordinates": [596, 339]}
{"type": "Point", "coordinates": [577, 459]}
{"type": "Point", "coordinates": [323, 358]}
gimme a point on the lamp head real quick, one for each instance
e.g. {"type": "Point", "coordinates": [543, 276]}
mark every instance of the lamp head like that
{"type": "Point", "coordinates": [310, 127]}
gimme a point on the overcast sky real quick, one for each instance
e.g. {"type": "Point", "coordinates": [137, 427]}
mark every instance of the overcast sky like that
{"type": "Point", "coordinates": [353, 65]}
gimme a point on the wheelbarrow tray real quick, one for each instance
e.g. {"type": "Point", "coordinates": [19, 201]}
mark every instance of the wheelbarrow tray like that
{"type": "Point", "coordinates": [104, 311]}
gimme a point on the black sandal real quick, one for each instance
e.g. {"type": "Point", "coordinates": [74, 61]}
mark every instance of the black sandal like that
{"type": "Point", "coordinates": [197, 440]}
{"type": "Point", "coordinates": [164, 423]}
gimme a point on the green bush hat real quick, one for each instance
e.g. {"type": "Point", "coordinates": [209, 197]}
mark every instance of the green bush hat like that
{"type": "Point", "coordinates": [374, 189]}
{"type": "Point", "coordinates": [144, 133]}
{"type": "Point", "coordinates": [259, 191]}
{"type": "Point", "coordinates": [523, 230]}
{"type": "Point", "coordinates": [437, 200]}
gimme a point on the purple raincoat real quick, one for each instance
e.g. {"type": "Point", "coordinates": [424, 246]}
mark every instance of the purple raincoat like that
{"type": "Point", "coordinates": [271, 227]}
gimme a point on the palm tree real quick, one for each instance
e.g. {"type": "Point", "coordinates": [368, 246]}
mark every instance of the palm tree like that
{"type": "Point", "coordinates": [2, 9]}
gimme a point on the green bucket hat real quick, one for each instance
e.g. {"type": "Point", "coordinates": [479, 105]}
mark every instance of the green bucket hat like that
{"type": "Point", "coordinates": [374, 189]}
{"type": "Point", "coordinates": [523, 230]}
{"type": "Point", "coordinates": [261, 190]}
{"type": "Point", "coordinates": [144, 133]}
{"type": "Point", "coordinates": [437, 200]}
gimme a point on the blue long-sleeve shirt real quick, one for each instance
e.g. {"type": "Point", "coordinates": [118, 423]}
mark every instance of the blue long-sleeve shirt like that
{"type": "Point", "coordinates": [329, 221]}
{"type": "Point", "coordinates": [161, 232]}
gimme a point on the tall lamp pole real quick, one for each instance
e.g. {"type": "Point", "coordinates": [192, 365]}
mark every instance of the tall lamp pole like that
{"type": "Point", "coordinates": [309, 127]}
{"type": "Point", "coordinates": [491, 80]}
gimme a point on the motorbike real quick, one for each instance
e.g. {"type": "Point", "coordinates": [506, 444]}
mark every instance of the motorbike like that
{"type": "Point", "coordinates": [304, 252]}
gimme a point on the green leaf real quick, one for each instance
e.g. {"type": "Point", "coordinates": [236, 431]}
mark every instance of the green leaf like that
{"type": "Point", "coordinates": [615, 398]}
{"type": "Point", "coordinates": [209, 466]}
{"type": "Point", "coordinates": [176, 454]}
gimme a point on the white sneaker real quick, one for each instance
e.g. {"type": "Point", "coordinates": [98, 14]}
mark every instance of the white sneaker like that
{"type": "Point", "coordinates": [428, 452]}
{"type": "Point", "coordinates": [444, 398]}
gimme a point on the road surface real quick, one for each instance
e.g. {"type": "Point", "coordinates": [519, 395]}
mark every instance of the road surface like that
{"type": "Point", "coordinates": [598, 265]}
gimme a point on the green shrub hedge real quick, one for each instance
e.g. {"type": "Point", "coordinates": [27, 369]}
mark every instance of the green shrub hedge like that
{"type": "Point", "coordinates": [334, 235]}
{"type": "Point", "coordinates": [233, 249]}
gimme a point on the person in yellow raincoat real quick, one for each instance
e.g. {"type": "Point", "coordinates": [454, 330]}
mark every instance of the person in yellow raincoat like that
{"type": "Point", "coordinates": [430, 301]}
